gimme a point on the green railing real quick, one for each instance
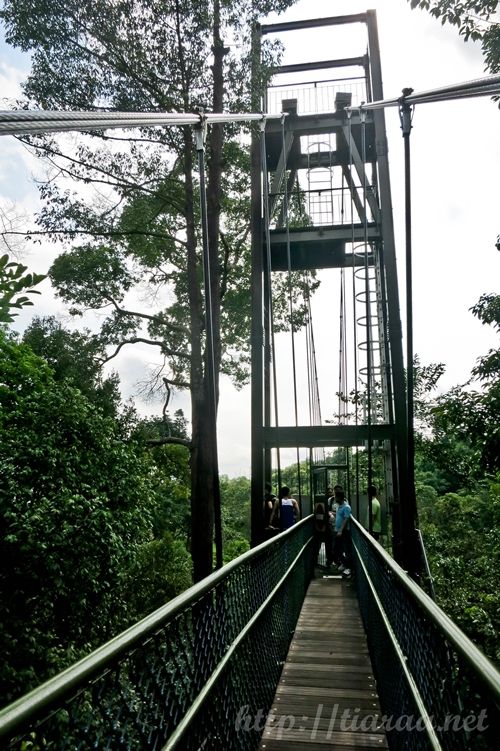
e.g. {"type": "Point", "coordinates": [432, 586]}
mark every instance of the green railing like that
{"type": "Point", "coordinates": [436, 689]}
{"type": "Point", "coordinates": [181, 677]}
{"type": "Point", "coordinates": [192, 674]}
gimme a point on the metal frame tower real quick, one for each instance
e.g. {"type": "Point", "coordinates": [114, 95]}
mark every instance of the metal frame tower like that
{"type": "Point", "coordinates": [359, 154]}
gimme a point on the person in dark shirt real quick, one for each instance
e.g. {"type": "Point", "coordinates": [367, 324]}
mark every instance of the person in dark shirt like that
{"type": "Point", "coordinates": [268, 505]}
{"type": "Point", "coordinates": [286, 510]}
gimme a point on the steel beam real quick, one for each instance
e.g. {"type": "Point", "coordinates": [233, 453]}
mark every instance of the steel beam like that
{"type": "Point", "coordinates": [324, 122]}
{"type": "Point", "coordinates": [329, 233]}
{"type": "Point", "coordinates": [354, 193]}
{"type": "Point", "coordinates": [280, 172]}
{"type": "Point", "coordinates": [347, 62]}
{"type": "Point", "coordinates": [326, 435]}
{"type": "Point", "coordinates": [404, 543]}
{"type": "Point", "coordinates": [360, 169]}
{"type": "Point", "coordinates": [311, 23]}
{"type": "Point", "coordinates": [280, 222]}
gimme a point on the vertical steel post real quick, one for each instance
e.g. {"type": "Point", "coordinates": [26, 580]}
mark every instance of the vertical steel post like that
{"type": "Point", "coordinates": [394, 320]}
{"type": "Point", "coordinates": [200, 133]}
{"type": "Point", "coordinates": [410, 510]}
{"type": "Point", "coordinates": [257, 335]}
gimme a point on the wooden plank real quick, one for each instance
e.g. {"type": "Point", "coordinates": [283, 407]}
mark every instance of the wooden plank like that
{"type": "Point", "coordinates": [327, 697]}
{"type": "Point", "coordinates": [335, 737]}
{"type": "Point", "coordinates": [325, 720]}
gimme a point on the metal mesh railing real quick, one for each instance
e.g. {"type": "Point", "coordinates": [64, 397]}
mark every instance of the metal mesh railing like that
{"type": "Point", "coordinates": [182, 677]}
{"type": "Point", "coordinates": [316, 96]}
{"type": "Point", "coordinates": [436, 688]}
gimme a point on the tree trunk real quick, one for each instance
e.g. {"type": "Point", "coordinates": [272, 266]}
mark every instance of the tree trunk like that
{"type": "Point", "coordinates": [214, 184]}
{"type": "Point", "coordinates": [202, 515]}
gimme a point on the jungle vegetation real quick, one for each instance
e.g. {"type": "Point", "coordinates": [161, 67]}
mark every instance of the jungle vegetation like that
{"type": "Point", "coordinates": [93, 497]}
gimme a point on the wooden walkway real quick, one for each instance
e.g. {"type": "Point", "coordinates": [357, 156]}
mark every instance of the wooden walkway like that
{"type": "Point", "coordinates": [326, 698]}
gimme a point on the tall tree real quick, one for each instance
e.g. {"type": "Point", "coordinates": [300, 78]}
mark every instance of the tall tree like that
{"type": "Point", "coordinates": [140, 223]}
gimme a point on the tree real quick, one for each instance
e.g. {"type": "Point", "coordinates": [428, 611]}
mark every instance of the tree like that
{"type": "Point", "coordinates": [235, 495]}
{"type": "Point", "coordinates": [172, 514]}
{"type": "Point", "coordinates": [472, 17]}
{"type": "Point", "coordinates": [461, 536]}
{"type": "Point", "coordinates": [141, 225]}
{"type": "Point", "coordinates": [76, 505]}
{"type": "Point", "coordinates": [75, 357]}
{"type": "Point", "coordinates": [467, 418]}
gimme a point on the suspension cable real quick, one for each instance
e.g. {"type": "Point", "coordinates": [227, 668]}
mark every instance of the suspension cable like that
{"type": "Point", "coordinates": [486, 86]}
{"type": "Point", "coordinates": [290, 299]}
{"type": "Point", "coordinates": [312, 370]}
{"type": "Point", "coordinates": [355, 334]}
{"type": "Point", "coordinates": [269, 284]}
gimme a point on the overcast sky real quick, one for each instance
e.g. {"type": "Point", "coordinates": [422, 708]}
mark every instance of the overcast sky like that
{"type": "Point", "coordinates": [455, 177]}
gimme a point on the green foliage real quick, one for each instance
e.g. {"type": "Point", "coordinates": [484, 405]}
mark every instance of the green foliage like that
{"type": "Point", "coordinates": [14, 280]}
{"type": "Point", "coordinates": [163, 568]}
{"type": "Point", "coordinates": [75, 357]}
{"type": "Point", "coordinates": [235, 505]}
{"type": "Point", "coordinates": [464, 421]}
{"type": "Point", "coordinates": [172, 512]}
{"type": "Point", "coordinates": [75, 507]}
{"type": "Point", "coordinates": [70, 273]}
{"type": "Point", "coordinates": [459, 510]}
{"type": "Point", "coordinates": [462, 541]}
{"type": "Point", "coordinates": [487, 309]}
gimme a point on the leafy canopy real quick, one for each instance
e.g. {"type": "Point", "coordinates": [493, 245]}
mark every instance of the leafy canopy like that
{"type": "Point", "coordinates": [75, 507]}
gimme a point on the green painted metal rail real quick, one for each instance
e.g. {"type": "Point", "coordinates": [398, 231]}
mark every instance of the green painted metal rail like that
{"type": "Point", "coordinates": [217, 647]}
{"type": "Point", "coordinates": [437, 690]}
{"type": "Point", "coordinates": [180, 678]}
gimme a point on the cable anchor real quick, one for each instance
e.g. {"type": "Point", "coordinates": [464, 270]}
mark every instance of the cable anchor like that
{"type": "Point", "coordinates": [200, 130]}
{"type": "Point", "coordinates": [406, 112]}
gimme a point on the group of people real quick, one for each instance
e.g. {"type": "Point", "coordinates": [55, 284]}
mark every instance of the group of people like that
{"type": "Point", "coordinates": [331, 521]}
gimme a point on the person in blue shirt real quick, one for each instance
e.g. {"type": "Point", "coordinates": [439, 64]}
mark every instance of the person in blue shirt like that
{"type": "Point", "coordinates": [341, 544]}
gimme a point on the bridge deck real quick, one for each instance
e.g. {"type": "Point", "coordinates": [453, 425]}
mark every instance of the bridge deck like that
{"type": "Point", "coordinates": [327, 685]}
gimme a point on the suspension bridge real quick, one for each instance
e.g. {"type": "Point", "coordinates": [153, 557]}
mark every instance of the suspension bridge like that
{"type": "Point", "coordinates": [270, 652]}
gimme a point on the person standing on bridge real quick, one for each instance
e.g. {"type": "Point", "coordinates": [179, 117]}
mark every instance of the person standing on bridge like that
{"type": "Point", "coordinates": [323, 529]}
{"type": "Point", "coordinates": [286, 509]}
{"type": "Point", "coordinates": [268, 505]}
{"type": "Point", "coordinates": [342, 534]}
{"type": "Point", "coordinates": [376, 527]}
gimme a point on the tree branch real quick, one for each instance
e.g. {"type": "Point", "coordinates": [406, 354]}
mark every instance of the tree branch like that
{"type": "Point", "coordinates": [178, 384]}
{"type": "Point", "coordinates": [96, 232]}
{"type": "Point", "coordinates": [116, 181]}
{"type": "Point", "coordinates": [136, 314]}
{"type": "Point", "coordinates": [168, 439]}
{"type": "Point", "coordinates": [153, 342]}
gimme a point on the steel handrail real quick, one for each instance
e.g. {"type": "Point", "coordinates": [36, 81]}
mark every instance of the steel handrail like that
{"type": "Point", "coordinates": [189, 718]}
{"type": "Point", "coordinates": [429, 729]}
{"type": "Point", "coordinates": [66, 684]}
{"type": "Point", "coordinates": [480, 665]}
